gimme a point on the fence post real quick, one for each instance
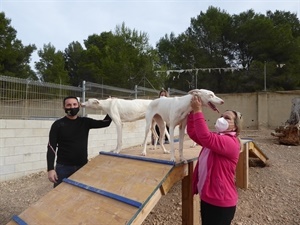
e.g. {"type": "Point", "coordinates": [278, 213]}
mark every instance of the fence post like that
{"type": "Point", "coordinates": [135, 91]}
{"type": "Point", "coordinates": [83, 97]}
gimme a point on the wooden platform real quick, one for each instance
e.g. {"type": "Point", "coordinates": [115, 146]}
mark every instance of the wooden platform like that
{"type": "Point", "coordinates": [123, 189]}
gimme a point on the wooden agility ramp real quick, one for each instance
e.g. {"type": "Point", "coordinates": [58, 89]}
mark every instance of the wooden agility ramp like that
{"type": "Point", "coordinates": [111, 189]}
{"type": "Point", "coordinates": [124, 188]}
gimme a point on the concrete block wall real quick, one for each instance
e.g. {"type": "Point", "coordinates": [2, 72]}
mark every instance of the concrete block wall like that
{"type": "Point", "coordinates": [24, 144]}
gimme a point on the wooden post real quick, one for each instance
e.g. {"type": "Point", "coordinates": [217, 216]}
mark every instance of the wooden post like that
{"type": "Point", "coordinates": [242, 169]}
{"type": "Point", "coordinates": [187, 197]}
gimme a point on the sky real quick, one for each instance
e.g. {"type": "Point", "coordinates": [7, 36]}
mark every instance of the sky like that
{"type": "Point", "coordinates": [61, 22]}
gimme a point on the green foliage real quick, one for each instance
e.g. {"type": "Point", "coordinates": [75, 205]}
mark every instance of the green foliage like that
{"type": "Point", "coordinates": [14, 57]}
{"type": "Point", "coordinates": [122, 58]}
{"type": "Point", "coordinates": [51, 67]}
{"type": "Point", "coordinates": [246, 41]}
{"type": "Point", "coordinates": [214, 41]}
{"type": "Point", "coordinates": [73, 60]}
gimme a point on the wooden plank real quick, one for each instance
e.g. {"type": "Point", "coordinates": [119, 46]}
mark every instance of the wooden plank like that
{"type": "Point", "coordinates": [242, 169]}
{"type": "Point", "coordinates": [177, 174]}
{"type": "Point", "coordinates": [144, 212]}
{"type": "Point", "coordinates": [138, 158]}
{"type": "Point", "coordinates": [104, 193]}
{"type": "Point", "coordinates": [69, 204]}
{"type": "Point", "coordinates": [129, 178]}
{"type": "Point", "coordinates": [255, 151]}
{"type": "Point", "coordinates": [187, 197]}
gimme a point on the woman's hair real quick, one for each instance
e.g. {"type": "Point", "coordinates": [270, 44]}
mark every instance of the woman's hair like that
{"type": "Point", "coordinates": [163, 91]}
{"type": "Point", "coordinates": [237, 121]}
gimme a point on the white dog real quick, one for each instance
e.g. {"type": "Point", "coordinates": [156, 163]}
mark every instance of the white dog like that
{"type": "Point", "coordinates": [173, 111]}
{"type": "Point", "coordinates": [120, 110]}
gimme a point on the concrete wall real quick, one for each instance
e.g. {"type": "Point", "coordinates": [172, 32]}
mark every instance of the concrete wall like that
{"type": "Point", "coordinates": [23, 142]}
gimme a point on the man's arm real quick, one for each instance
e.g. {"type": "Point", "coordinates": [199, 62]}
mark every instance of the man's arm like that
{"type": "Point", "coordinates": [101, 123]}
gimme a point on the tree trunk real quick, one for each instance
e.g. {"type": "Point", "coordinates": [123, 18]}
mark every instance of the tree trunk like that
{"type": "Point", "coordinates": [290, 133]}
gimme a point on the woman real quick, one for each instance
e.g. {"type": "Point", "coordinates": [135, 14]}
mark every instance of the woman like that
{"type": "Point", "coordinates": [214, 174]}
{"type": "Point", "coordinates": [162, 93]}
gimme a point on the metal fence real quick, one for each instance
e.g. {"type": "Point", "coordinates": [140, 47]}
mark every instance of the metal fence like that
{"type": "Point", "coordinates": [28, 99]}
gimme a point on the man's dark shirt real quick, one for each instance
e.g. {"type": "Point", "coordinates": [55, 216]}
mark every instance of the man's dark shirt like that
{"type": "Point", "coordinates": [71, 139]}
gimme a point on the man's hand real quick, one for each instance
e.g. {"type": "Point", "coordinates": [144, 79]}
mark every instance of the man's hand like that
{"type": "Point", "coordinates": [52, 176]}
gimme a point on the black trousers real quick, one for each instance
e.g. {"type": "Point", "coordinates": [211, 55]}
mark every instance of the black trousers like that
{"type": "Point", "coordinates": [215, 215]}
{"type": "Point", "coordinates": [158, 133]}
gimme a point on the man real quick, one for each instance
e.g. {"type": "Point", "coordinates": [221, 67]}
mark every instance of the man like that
{"type": "Point", "coordinates": [68, 141]}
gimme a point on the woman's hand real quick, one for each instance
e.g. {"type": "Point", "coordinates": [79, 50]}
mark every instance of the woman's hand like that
{"type": "Point", "coordinates": [196, 104]}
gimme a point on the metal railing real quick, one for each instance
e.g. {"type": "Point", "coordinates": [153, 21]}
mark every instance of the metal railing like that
{"type": "Point", "coordinates": [28, 99]}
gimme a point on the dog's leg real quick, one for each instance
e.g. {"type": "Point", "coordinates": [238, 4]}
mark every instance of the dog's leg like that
{"type": "Point", "coordinates": [147, 129]}
{"type": "Point", "coordinates": [155, 137]}
{"type": "Point", "coordinates": [162, 127]}
{"type": "Point", "coordinates": [119, 127]}
{"type": "Point", "coordinates": [172, 148]}
{"type": "Point", "coordinates": [181, 140]}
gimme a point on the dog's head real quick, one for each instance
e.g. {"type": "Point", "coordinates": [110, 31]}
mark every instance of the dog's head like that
{"type": "Point", "coordinates": [92, 103]}
{"type": "Point", "coordinates": [208, 98]}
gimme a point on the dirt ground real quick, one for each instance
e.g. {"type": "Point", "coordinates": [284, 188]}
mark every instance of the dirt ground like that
{"type": "Point", "coordinates": [273, 196]}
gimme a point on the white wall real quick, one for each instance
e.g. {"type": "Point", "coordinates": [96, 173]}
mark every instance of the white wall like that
{"type": "Point", "coordinates": [24, 144]}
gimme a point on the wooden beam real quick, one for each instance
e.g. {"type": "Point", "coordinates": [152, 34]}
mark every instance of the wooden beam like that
{"type": "Point", "coordinates": [242, 169]}
{"type": "Point", "coordinates": [187, 197]}
{"type": "Point", "coordinates": [255, 150]}
{"type": "Point", "coordinates": [177, 174]}
{"type": "Point", "coordinates": [147, 208]}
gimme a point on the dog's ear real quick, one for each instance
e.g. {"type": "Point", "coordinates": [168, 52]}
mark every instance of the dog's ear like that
{"type": "Point", "coordinates": [95, 101]}
{"type": "Point", "coordinates": [193, 91]}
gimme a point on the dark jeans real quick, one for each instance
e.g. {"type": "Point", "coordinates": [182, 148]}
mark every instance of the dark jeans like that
{"type": "Point", "coordinates": [215, 215]}
{"type": "Point", "coordinates": [64, 171]}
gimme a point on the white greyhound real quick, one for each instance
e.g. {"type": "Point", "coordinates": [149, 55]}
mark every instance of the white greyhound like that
{"type": "Point", "coordinates": [174, 111]}
{"type": "Point", "coordinates": [121, 110]}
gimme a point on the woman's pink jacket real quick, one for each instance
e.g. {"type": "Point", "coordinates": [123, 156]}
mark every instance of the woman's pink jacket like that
{"type": "Point", "coordinates": [219, 187]}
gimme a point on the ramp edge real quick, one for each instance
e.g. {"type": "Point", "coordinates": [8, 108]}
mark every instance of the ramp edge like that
{"type": "Point", "coordinates": [161, 161]}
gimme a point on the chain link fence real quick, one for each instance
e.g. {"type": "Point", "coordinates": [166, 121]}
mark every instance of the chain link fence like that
{"type": "Point", "coordinates": [28, 99]}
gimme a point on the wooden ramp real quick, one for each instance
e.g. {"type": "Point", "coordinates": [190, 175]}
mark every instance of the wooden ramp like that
{"type": "Point", "coordinates": [110, 189]}
{"type": "Point", "coordinates": [124, 188]}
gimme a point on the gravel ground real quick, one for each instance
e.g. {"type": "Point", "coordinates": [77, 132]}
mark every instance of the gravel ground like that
{"type": "Point", "coordinates": [273, 196]}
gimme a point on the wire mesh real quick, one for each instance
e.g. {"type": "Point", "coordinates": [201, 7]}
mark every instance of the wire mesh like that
{"type": "Point", "coordinates": [29, 99]}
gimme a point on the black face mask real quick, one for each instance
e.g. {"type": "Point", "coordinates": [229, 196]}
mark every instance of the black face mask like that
{"type": "Point", "coordinates": [72, 111]}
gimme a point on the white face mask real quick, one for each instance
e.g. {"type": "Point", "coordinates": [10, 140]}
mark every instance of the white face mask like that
{"type": "Point", "coordinates": [221, 125]}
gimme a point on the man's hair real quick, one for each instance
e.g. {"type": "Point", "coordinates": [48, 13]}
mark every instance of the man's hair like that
{"type": "Point", "coordinates": [64, 101]}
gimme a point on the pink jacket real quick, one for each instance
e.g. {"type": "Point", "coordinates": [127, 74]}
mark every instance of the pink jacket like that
{"type": "Point", "coordinates": [219, 187]}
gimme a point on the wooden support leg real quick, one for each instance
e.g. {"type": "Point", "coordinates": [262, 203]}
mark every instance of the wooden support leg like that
{"type": "Point", "coordinates": [187, 197]}
{"type": "Point", "coordinates": [242, 169]}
